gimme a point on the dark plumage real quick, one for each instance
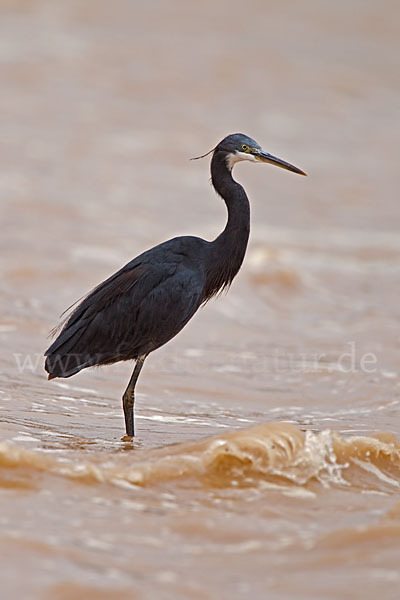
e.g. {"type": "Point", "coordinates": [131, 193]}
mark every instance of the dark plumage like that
{"type": "Point", "coordinates": [147, 302]}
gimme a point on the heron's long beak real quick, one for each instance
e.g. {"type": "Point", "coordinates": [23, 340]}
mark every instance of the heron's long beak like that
{"type": "Point", "coordinates": [278, 162]}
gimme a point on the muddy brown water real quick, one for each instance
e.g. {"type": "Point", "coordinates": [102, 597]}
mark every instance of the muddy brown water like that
{"type": "Point", "coordinates": [267, 460]}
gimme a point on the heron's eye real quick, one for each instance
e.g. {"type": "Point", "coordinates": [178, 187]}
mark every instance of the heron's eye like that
{"type": "Point", "coordinates": [245, 148]}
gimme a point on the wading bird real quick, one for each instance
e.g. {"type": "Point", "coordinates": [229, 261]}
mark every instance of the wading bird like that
{"type": "Point", "coordinates": [147, 302]}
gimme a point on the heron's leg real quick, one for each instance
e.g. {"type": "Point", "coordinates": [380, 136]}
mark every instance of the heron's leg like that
{"type": "Point", "coordinates": [128, 399]}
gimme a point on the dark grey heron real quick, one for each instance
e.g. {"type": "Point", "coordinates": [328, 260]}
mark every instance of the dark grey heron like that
{"type": "Point", "coordinates": [147, 302]}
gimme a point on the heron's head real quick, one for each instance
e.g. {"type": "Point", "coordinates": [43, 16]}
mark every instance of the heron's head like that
{"type": "Point", "coordinates": [238, 147]}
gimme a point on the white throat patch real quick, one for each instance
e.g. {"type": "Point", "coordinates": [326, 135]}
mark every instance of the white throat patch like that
{"type": "Point", "coordinates": [235, 157]}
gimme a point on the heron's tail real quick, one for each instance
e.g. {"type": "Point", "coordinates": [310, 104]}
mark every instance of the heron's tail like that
{"type": "Point", "coordinates": [66, 365]}
{"type": "Point", "coordinates": [76, 349]}
{"type": "Point", "coordinates": [67, 355]}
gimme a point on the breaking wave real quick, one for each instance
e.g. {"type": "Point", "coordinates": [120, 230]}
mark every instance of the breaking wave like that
{"type": "Point", "coordinates": [274, 453]}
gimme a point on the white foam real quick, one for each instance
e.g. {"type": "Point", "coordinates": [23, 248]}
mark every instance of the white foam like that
{"type": "Point", "coordinates": [72, 387]}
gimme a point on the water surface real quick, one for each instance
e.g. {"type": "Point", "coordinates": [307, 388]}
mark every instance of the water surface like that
{"type": "Point", "coordinates": [267, 460]}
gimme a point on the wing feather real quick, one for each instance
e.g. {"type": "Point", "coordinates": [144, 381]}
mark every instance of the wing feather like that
{"type": "Point", "coordinates": [133, 312]}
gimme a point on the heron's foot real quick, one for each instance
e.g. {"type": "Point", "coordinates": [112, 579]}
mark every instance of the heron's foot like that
{"type": "Point", "coordinates": [127, 438]}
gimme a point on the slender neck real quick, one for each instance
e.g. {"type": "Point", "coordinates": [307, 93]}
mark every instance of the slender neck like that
{"type": "Point", "coordinates": [229, 248]}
